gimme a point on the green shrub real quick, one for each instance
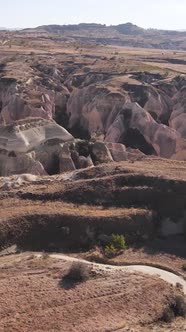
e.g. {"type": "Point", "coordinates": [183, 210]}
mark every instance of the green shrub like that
{"type": "Point", "coordinates": [118, 241]}
{"type": "Point", "coordinates": [115, 246]}
{"type": "Point", "coordinates": [110, 251]}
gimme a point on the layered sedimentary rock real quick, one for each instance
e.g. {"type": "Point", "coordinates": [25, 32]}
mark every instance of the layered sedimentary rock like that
{"type": "Point", "coordinates": [41, 147]}
{"type": "Point", "coordinates": [26, 135]}
{"type": "Point", "coordinates": [22, 142]}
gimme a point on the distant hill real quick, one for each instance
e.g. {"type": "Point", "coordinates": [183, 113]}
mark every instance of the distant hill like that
{"type": "Point", "coordinates": [129, 29]}
{"type": "Point", "coordinates": [126, 28]}
{"type": "Point", "coordinates": [55, 28]}
{"type": "Point", "coordinates": [126, 34]}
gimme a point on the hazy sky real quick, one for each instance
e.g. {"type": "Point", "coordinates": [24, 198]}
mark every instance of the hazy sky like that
{"type": "Point", "coordinates": [165, 14]}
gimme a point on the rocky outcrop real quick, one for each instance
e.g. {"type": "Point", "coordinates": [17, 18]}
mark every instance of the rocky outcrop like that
{"type": "Point", "coordinates": [118, 151]}
{"type": "Point", "coordinates": [85, 162]}
{"type": "Point", "coordinates": [32, 146]}
{"type": "Point", "coordinates": [178, 116]}
{"type": "Point", "coordinates": [145, 116]}
{"type": "Point", "coordinates": [21, 101]}
{"type": "Point", "coordinates": [65, 160]}
{"type": "Point", "coordinates": [100, 153]}
{"type": "Point", "coordinates": [38, 91]}
{"type": "Point", "coordinates": [24, 136]}
{"type": "Point", "coordinates": [19, 164]}
{"type": "Point", "coordinates": [180, 153]}
{"type": "Point", "coordinates": [41, 147]}
{"type": "Point", "coordinates": [92, 109]}
{"type": "Point", "coordinates": [152, 98]}
{"type": "Point", "coordinates": [136, 127]}
{"type": "Point", "coordinates": [135, 154]}
{"type": "Point", "coordinates": [101, 111]}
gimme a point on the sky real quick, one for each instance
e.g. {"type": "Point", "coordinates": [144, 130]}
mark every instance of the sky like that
{"type": "Point", "coordinates": [160, 14]}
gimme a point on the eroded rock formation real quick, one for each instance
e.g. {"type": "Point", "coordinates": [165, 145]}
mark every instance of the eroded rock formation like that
{"type": "Point", "coordinates": [148, 118]}
{"type": "Point", "coordinates": [41, 147]}
{"type": "Point", "coordinates": [26, 135]}
{"type": "Point", "coordinates": [54, 103]}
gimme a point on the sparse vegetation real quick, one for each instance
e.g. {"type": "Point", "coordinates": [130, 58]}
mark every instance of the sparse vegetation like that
{"type": "Point", "coordinates": [118, 241]}
{"type": "Point", "coordinates": [168, 315]}
{"type": "Point", "coordinates": [78, 272]}
{"type": "Point", "coordinates": [116, 245]}
{"type": "Point", "coordinates": [110, 251]}
{"type": "Point", "coordinates": [175, 309]}
{"type": "Point", "coordinates": [180, 306]}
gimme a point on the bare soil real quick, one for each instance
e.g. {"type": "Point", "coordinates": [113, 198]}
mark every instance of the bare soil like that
{"type": "Point", "coordinates": [34, 299]}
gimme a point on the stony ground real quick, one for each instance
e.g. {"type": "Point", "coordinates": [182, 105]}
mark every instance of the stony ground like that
{"type": "Point", "coordinates": [34, 298]}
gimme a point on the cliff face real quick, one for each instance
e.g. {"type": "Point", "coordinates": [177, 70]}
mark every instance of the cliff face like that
{"type": "Point", "coordinates": [150, 117]}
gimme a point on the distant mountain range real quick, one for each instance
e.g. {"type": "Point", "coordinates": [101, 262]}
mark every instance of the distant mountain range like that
{"type": "Point", "coordinates": [126, 34]}
{"type": "Point", "coordinates": [126, 28]}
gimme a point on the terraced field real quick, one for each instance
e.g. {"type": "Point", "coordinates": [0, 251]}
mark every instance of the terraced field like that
{"type": "Point", "coordinates": [73, 210]}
